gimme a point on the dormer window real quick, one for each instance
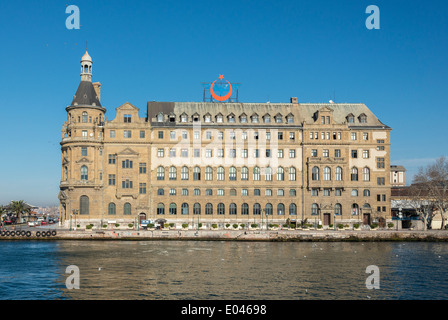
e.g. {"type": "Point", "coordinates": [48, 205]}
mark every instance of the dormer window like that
{"type": "Point", "coordinates": [243, 118]}
{"type": "Point", "coordinates": [183, 118]}
{"type": "Point", "coordinates": [278, 118]}
{"type": "Point", "coordinates": [127, 118]}
{"type": "Point", "coordinates": [208, 118]}
{"type": "Point", "coordinates": [362, 118]}
{"type": "Point", "coordinates": [267, 118]}
{"type": "Point", "coordinates": [160, 117]}
{"type": "Point", "coordinates": [255, 118]}
{"type": "Point", "coordinates": [172, 118]}
{"type": "Point", "coordinates": [195, 117]}
{"type": "Point", "coordinates": [351, 118]}
{"type": "Point", "coordinates": [231, 118]}
{"type": "Point", "coordinates": [219, 118]}
{"type": "Point", "coordinates": [290, 118]}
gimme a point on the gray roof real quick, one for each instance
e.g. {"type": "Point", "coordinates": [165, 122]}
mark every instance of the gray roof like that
{"type": "Point", "coordinates": [86, 95]}
{"type": "Point", "coordinates": [303, 112]}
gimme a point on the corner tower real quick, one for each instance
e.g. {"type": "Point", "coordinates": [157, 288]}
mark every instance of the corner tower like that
{"type": "Point", "coordinates": [82, 150]}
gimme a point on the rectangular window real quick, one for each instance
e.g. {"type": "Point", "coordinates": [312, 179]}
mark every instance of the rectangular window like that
{"type": "Point", "coordinates": [314, 152]}
{"type": "Point", "coordinates": [365, 136]}
{"type": "Point", "coordinates": [197, 153]}
{"type": "Point", "coordinates": [127, 118]}
{"type": "Point", "coordinates": [172, 135]}
{"type": "Point", "coordinates": [160, 152]}
{"type": "Point", "coordinates": [256, 153]}
{"type": "Point", "coordinates": [84, 133]}
{"type": "Point", "coordinates": [280, 135]}
{"type": "Point", "coordinates": [338, 192]}
{"type": "Point", "coordinates": [112, 133]}
{"type": "Point", "coordinates": [292, 136]}
{"type": "Point", "coordinates": [197, 192]}
{"type": "Point", "coordinates": [208, 192]}
{"type": "Point", "coordinates": [84, 151]}
{"type": "Point", "coordinates": [337, 153]}
{"type": "Point", "coordinates": [172, 192]}
{"type": "Point", "coordinates": [292, 153]}
{"type": "Point", "coordinates": [111, 179]}
{"type": "Point", "coordinates": [268, 136]}
{"type": "Point", "coordinates": [142, 188]}
{"type": "Point", "coordinates": [112, 158]}
{"type": "Point", "coordinates": [185, 192]}
{"type": "Point", "coordinates": [220, 192]}
{"type": "Point", "coordinates": [292, 192]}
{"type": "Point", "coordinates": [208, 153]}
{"type": "Point", "coordinates": [244, 192]}
{"type": "Point", "coordinates": [172, 153]}
{"type": "Point", "coordinates": [160, 192]}
{"type": "Point", "coordinates": [280, 153]}
{"type": "Point", "coordinates": [126, 184]}
{"type": "Point", "coordinates": [381, 181]}
{"type": "Point", "coordinates": [208, 135]}
{"type": "Point", "coordinates": [268, 192]}
{"type": "Point", "coordinates": [196, 135]}
{"type": "Point", "coordinates": [353, 135]}
{"type": "Point", "coordinates": [160, 134]}
{"type": "Point", "coordinates": [127, 134]}
{"type": "Point", "coordinates": [244, 153]}
{"type": "Point", "coordinates": [315, 192]}
{"type": "Point", "coordinates": [142, 134]}
{"type": "Point", "coordinates": [354, 154]}
{"type": "Point", "coordinates": [184, 153]}
{"type": "Point", "coordinates": [280, 192]}
{"type": "Point", "coordinates": [220, 135]}
{"type": "Point", "coordinates": [365, 154]}
{"type": "Point", "coordinates": [326, 192]}
{"type": "Point", "coordinates": [268, 153]}
{"type": "Point", "coordinates": [142, 167]}
{"type": "Point", "coordinates": [326, 153]}
{"type": "Point", "coordinates": [232, 153]}
{"type": "Point", "coordinates": [184, 135]}
{"type": "Point", "coordinates": [126, 164]}
{"type": "Point", "coordinates": [380, 163]}
{"type": "Point", "coordinates": [220, 153]}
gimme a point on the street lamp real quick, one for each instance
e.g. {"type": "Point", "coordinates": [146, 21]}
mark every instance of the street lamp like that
{"type": "Point", "coordinates": [75, 212]}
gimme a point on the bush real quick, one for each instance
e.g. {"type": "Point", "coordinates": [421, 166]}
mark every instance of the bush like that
{"type": "Point", "coordinates": [89, 226]}
{"type": "Point", "coordinates": [319, 226]}
{"type": "Point", "coordinates": [104, 225]}
{"type": "Point", "coordinates": [130, 225]}
{"type": "Point", "coordinates": [184, 225]}
{"type": "Point", "coordinates": [151, 225]}
{"type": "Point", "coordinates": [214, 226]}
{"type": "Point", "coordinates": [331, 225]}
{"type": "Point", "coordinates": [254, 225]}
{"type": "Point", "coordinates": [166, 225]}
{"type": "Point", "coordinates": [390, 225]}
{"type": "Point", "coordinates": [200, 225]}
{"type": "Point", "coordinates": [171, 224]}
{"type": "Point", "coordinates": [227, 225]}
{"type": "Point", "coordinates": [235, 226]}
{"type": "Point", "coordinates": [374, 225]}
{"type": "Point", "coordinates": [242, 225]}
{"type": "Point", "coordinates": [340, 226]}
{"type": "Point", "coordinates": [292, 226]}
{"type": "Point", "coordinates": [117, 225]}
{"type": "Point", "coordinates": [285, 225]}
{"type": "Point", "coordinates": [356, 225]}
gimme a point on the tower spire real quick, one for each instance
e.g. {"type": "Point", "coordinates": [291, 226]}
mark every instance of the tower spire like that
{"type": "Point", "coordinates": [86, 67]}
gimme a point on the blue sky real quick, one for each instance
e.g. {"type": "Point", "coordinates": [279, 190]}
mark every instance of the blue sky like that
{"type": "Point", "coordinates": [162, 50]}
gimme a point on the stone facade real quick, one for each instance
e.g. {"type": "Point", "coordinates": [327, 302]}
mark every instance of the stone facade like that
{"type": "Point", "coordinates": [212, 162]}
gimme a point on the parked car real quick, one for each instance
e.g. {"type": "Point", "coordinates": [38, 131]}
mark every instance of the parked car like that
{"type": "Point", "coordinates": [31, 224]}
{"type": "Point", "coordinates": [43, 223]}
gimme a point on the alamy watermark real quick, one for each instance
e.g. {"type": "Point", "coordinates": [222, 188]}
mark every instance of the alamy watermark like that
{"type": "Point", "coordinates": [73, 20]}
{"type": "Point", "coordinates": [373, 20]}
{"type": "Point", "coordinates": [72, 281]}
{"type": "Point", "coordinates": [373, 280]}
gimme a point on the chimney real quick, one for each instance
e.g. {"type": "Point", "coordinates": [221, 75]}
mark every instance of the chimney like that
{"type": "Point", "coordinates": [294, 100]}
{"type": "Point", "coordinates": [97, 87]}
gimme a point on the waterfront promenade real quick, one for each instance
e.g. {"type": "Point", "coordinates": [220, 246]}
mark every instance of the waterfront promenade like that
{"type": "Point", "coordinates": [229, 235]}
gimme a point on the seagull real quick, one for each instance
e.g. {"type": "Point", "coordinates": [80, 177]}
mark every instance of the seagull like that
{"type": "Point", "coordinates": [99, 269]}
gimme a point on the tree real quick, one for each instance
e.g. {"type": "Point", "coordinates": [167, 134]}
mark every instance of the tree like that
{"type": "Point", "coordinates": [433, 183]}
{"type": "Point", "coordinates": [19, 208]}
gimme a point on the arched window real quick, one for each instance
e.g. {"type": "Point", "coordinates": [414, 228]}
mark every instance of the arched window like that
{"type": "Point", "coordinates": [355, 209]}
{"type": "Point", "coordinates": [184, 173]}
{"type": "Point", "coordinates": [221, 208]}
{"type": "Point", "coordinates": [244, 209]}
{"type": "Point", "coordinates": [84, 117]}
{"type": "Point", "coordinates": [244, 173]}
{"type": "Point", "coordinates": [327, 173]}
{"type": "Point", "coordinates": [366, 193]}
{"type": "Point", "coordinates": [292, 174]}
{"type": "Point", "coordinates": [354, 192]}
{"type": "Point", "coordinates": [84, 173]}
{"type": "Point", "coordinates": [338, 174]}
{"type": "Point", "coordinates": [281, 209]}
{"type": "Point", "coordinates": [366, 206]}
{"type": "Point", "coordinates": [268, 209]}
{"type": "Point", "coordinates": [268, 174]}
{"type": "Point", "coordinates": [127, 208]}
{"type": "Point", "coordinates": [208, 173]}
{"type": "Point", "coordinates": [220, 173]}
{"type": "Point", "coordinates": [173, 208]}
{"type": "Point", "coordinates": [160, 208]}
{"type": "Point", "coordinates": [338, 209]}
{"type": "Point", "coordinates": [184, 208]}
{"type": "Point", "coordinates": [257, 209]}
{"type": "Point", "coordinates": [314, 209]}
{"type": "Point", "coordinates": [112, 208]}
{"type": "Point", "coordinates": [365, 174]}
{"type": "Point", "coordinates": [208, 208]}
{"type": "Point", "coordinates": [354, 174]}
{"type": "Point", "coordinates": [280, 174]}
{"type": "Point", "coordinates": [84, 205]}
{"type": "Point", "coordinates": [173, 173]}
{"type": "Point", "coordinates": [315, 174]}
{"type": "Point", "coordinates": [232, 173]}
{"type": "Point", "coordinates": [256, 176]}
{"type": "Point", "coordinates": [196, 208]}
{"type": "Point", "coordinates": [292, 209]}
{"type": "Point", "coordinates": [196, 173]}
{"type": "Point", "coordinates": [233, 192]}
{"type": "Point", "coordinates": [160, 173]}
{"type": "Point", "coordinates": [232, 209]}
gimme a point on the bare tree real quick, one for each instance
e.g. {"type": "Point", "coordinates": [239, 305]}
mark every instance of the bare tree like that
{"type": "Point", "coordinates": [432, 182]}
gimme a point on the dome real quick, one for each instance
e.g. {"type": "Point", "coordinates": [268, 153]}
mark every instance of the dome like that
{"type": "Point", "coordinates": [86, 57]}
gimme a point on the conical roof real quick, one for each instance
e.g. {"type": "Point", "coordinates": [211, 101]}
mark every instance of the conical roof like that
{"type": "Point", "coordinates": [86, 95]}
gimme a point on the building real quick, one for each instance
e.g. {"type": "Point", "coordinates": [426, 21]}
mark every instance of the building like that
{"type": "Point", "coordinates": [221, 162]}
{"type": "Point", "coordinates": [397, 176]}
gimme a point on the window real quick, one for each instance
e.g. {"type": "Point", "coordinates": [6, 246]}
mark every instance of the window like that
{"type": "Point", "coordinates": [280, 174]}
{"type": "Point", "coordinates": [268, 174]}
{"type": "Point", "coordinates": [173, 192]}
{"type": "Point", "coordinates": [280, 135]}
{"type": "Point", "coordinates": [314, 192]}
{"type": "Point", "coordinates": [315, 174]}
{"type": "Point", "coordinates": [196, 135]}
{"type": "Point", "coordinates": [243, 118]}
{"type": "Point", "coordinates": [183, 118]}
{"type": "Point", "coordinates": [338, 174]}
{"type": "Point", "coordinates": [244, 209]}
{"type": "Point", "coordinates": [172, 153]}
{"type": "Point", "coordinates": [257, 209]}
{"type": "Point", "coordinates": [314, 152]}
{"type": "Point", "coordinates": [268, 209]}
{"type": "Point", "coordinates": [337, 153]}
{"type": "Point", "coordinates": [292, 174]}
{"type": "Point", "coordinates": [111, 179]}
{"type": "Point", "coordinates": [84, 173]}
{"type": "Point", "coordinates": [184, 153]}
{"type": "Point", "coordinates": [127, 208]}
{"type": "Point", "coordinates": [244, 192]}
{"type": "Point", "coordinates": [84, 117]}
{"type": "Point", "coordinates": [244, 173]}
{"type": "Point", "coordinates": [220, 153]}
{"type": "Point", "coordinates": [184, 208]}
{"type": "Point", "coordinates": [354, 192]}
{"type": "Point", "coordinates": [280, 192]}
{"type": "Point", "coordinates": [127, 134]}
{"type": "Point", "coordinates": [327, 174]}
{"type": "Point", "coordinates": [142, 134]}
{"type": "Point", "coordinates": [160, 152]}
{"type": "Point", "coordinates": [84, 151]}
{"type": "Point", "coordinates": [257, 192]}
{"type": "Point", "coordinates": [111, 209]}
{"type": "Point", "coordinates": [268, 192]}
{"type": "Point", "coordinates": [292, 153]}
{"type": "Point", "coordinates": [184, 135]}
{"type": "Point", "coordinates": [208, 192]}
{"type": "Point", "coordinates": [326, 192]}
{"type": "Point", "coordinates": [84, 205]}
{"type": "Point", "coordinates": [292, 192]}
{"type": "Point", "coordinates": [173, 209]}
{"type": "Point", "coordinates": [197, 153]}
{"type": "Point", "coordinates": [208, 173]}
{"type": "Point", "coordinates": [353, 135]}
{"type": "Point", "coordinates": [354, 154]}
{"type": "Point", "coordinates": [363, 118]}
{"type": "Point", "coordinates": [185, 192]}
{"type": "Point", "coordinates": [142, 168]}
{"type": "Point", "coordinates": [268, 153]}
{"type": "Point", "coordinates": [366, 193]}
{"type": "Point", "coordinates": [380, 163]}
{"type": "Point", "coordinates": [314, 209]}
{"type": "Point", "coordinates": [208, 153]}
{"type": "Point", "coordinates": [208, 208]}
{"type": "Point", "coordinates": [160, 117]}
{"type": "Point", "coordinates": [355, 209]}
{"type": "Point", "coordinates": [354, 174]}
{"type": "Point", "coordinates": [366, 174]}
{"type": "Point", "coordinates": [325, 153]}
{"type": "Point", "coordinates": [196, 208]}
{"type": "Point", "coordinates": [281, 209]}
{"type": "Point", "coordinates": [142, 188]}
{"type": "Point", "coordinates": [112, 158]}
{"type": "Point", "coordinates": [184, 173]}
{"type": "Point", "coordinates": [278, 119]}
{"type": "Point", "coordinates": [197, 173]}
{"type": "Point", "coordinates": [160, 173]}
{"type": "Point", "coordinates": [127, 118]}
{"type": "Point", "coordinates": [232, 209]}
{"type": "Point", "coordinates": [160, 134]}
{"type": "Point", "coordinates": [112, 133]}
{"type": "Point", "coordinates": [126, 184]}
{"type": "Point", "coordinates": [160, 192]}
{"type": "Point", "coordinates": [381, 181]}
{"type": "Point", "coordinates": [221, 208]}
{"type": "Point", "coordinates": [365, 136]}
{"type": "Point", "coordinates": [172, 173]}
{"type": "Point", "coordinates": [220, 174]}
{"type": "Point", "coordinates": [208, 135]}
{"type": "Point", "coordinates": [244, 153]}
{"type": "Point", "coordinates": [160, 208]}
{"type": "Point", "coordinates": [254, 118]}
{"type": "Point", "coordinates": [220, 192]}
{"type": "Point", "coordinates": [365, 154]}
{"type": "Point", "coordinates": [126, 164]}
{"type": "Point", "coordinates": [338, 209]}
{"type": "Point", "coordinates": [256, 174]}
{"type": "Point", "coordinates": [84, 133]}
{"type": "Point", "coordinates": [280, 153]}
{"type": "Point", "coordinates": [338, 192]}
{"type": "Point", "coordinates": [292, 209]}
{"type": "Point", "coordinates": [232, 153]}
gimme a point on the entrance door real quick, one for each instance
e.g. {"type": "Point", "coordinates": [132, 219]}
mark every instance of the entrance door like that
{"type": "Point", "coordinates": [142, 216]}
{"type": "Point", "coordinates": [366, 218]}
{"type": "Point", "coordinates": [327, 219]}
